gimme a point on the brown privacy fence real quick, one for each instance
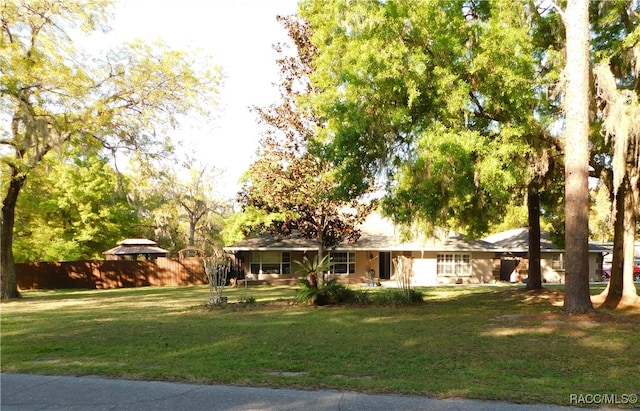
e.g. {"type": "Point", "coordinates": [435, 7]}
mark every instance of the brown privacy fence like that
{"type": "Point", "coordinates": [110, 274]}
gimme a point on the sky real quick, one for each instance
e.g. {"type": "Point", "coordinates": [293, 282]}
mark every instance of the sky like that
{"type": "Point", "coordinates": [239, 35]}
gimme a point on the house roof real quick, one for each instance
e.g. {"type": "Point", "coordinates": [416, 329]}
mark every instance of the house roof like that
{"type": "Point", "coordinates": [135, 246]}
{"type": "Point", "coordinates": [269, 241]}
{"type": "Point", "coordinates": [517, 240]}
{"type": "Point", "coordinates": [377, 233]}
{"type": "Point", "coordinates": [380, 233]}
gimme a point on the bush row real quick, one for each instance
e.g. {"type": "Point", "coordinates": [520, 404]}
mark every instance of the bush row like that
{"type": "Point", "coordinates": [335, 293]}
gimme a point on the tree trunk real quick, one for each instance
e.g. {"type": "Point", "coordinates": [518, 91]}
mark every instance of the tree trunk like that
{"type": "Point", "coordinates": [8, 274]}
{"type": "Point", "coordinates": [534, 281]}
{"type": "Point", "coordinates": [321, 253]}
{"type": "Point", "coordinates": [577, 299]}
{"type": "Point", "coordinates": [621, 290]}
{"type": "Point", "coordinates": [628, 287]}
{"type": "Point", "coordinates": [192, 232]}
{"type": "Point", "coordinates": [613, 291]}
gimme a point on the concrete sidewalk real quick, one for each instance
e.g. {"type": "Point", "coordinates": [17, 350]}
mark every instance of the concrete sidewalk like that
{"type": "Point", "coordinates": [35, 392]}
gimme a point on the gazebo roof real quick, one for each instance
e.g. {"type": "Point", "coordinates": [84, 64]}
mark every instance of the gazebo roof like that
{"type": "Point", "coordinates": [135, 246]}
{"type": "Point", "coordinates": [136, 242]}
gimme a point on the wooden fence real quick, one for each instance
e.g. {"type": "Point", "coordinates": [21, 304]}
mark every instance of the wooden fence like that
{"type": "Point", "coordinates": [110, 274]}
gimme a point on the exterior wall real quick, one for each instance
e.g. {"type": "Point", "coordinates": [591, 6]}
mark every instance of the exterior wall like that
{"type": "Point", "coordinates": [551, 275]}
{"type": "Point", "coordinates": [425, 268]}
{"type": "Point", "coordinates": [483, 264]}
{"type": "Point", "coordinates": [298, 256]}
{"type": "Point", "coordinates": [595, 267]}
{"type": "Point", "coordinates": [364, 263]}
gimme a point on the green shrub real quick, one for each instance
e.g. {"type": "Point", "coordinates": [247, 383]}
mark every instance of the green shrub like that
{"type": "Point", "coordinates": [415, 296]}
{"type": "Point", "coordinates": [362, 297]}
{"type": "Point", "coordinates": [247, 300]}
{"type": "Point", "coordinates": [307, 292]}
{"type": "Point", "coordinates": [397, 297]}
{"type": "Point", "coordinates": [334, 293]}
{"type": "Point", "coordinates": [330, 293]}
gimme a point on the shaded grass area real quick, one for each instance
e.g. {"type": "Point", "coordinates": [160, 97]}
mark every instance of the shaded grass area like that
{"type": "Point", "coordinates": [486, 342]}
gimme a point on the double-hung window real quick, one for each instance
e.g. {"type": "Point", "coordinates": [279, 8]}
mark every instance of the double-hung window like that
{"type": "Point", "coordinates": [271, 262]}
{"type": "Point", "coordinates": [344, 263]}
{"type": "Point", "coordinates": [454, 264]}
{"type": "Point", "coordinates": [557, 263]}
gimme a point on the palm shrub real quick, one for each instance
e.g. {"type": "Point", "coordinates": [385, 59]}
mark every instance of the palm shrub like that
{"type": "Point", "coordinates": [322, 295]}
{"type": "Point", "coordinates": [313, 288]}
{"type": "Point", "coordinates": [313, 270]}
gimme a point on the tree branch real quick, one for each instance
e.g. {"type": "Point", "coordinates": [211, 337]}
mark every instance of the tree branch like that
{"type": "Point", "coordinates": [560, 12]}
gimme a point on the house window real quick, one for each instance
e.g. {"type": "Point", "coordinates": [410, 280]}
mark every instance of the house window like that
{"type": "Point", "coordinates": [271, 262]}
{"type": "Point", "coordinates": [344, 263]}
{"type": "Point", "coordinates": [557, 262]}
{"type": "Point", "coordinates": [454, 264]}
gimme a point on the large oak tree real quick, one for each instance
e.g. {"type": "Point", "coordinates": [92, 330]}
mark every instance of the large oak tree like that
{"type": "Point", "coordinates": [446, 102]}
{"type": "Point", "coordinates": [52, 94]}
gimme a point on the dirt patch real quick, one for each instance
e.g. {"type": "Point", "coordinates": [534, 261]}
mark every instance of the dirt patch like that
{"type": "Point", "coordinates": [625, 314]}
{"type": "Point", "coordinates": [555, 298]}
{"type": "Point", "coordinates": [626, 303]}
{"type": "Point", "coordinates": [598, 318]}
{"type": "Point", "coordinates": [549, 296]}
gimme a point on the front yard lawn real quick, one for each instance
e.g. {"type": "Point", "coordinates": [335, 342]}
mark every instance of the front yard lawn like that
{"type": "Point", "coordinates": [486, 342]}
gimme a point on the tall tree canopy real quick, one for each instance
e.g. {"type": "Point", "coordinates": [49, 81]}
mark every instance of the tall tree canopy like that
{"type": "Point", "coordinates": [73, 207]}
{"type": "Point", "coordinates": [453, 105]}
{"type": "Point", "coordinates": [446, 102]}
{"type": "Point", "coordinates": [52, 94]}
{"type": "Point", "coordinates": [436, 94]}
{"type": "Point", "coordinates": [289, 184]}
{"type": "Point", "coordinates": [180, 207]}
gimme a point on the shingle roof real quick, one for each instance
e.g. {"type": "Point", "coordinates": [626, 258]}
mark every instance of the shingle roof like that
{"type": "Point", "coordinates": [269, 241]}
{"type": "Point", "coordinates": [377, 233]}
{"type": "Point", "coordinates": [380, 233]}
{"type": "Point", "coordinates": [517, 240]}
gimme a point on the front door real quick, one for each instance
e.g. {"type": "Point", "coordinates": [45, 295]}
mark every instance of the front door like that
{"type": "Point", "coordinates": [384, 267]}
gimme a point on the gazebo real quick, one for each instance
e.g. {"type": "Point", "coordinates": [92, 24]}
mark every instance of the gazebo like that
{"type": "Point", "coordinates": [135, 249]}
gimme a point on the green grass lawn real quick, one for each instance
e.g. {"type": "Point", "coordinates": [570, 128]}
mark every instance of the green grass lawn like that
{"type": "Point", "coordinates": [487, 342]}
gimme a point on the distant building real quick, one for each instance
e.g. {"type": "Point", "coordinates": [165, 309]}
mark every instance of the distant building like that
{"type": "Point", "coordinates": [135, 249]}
